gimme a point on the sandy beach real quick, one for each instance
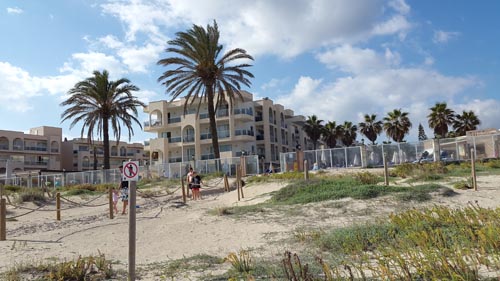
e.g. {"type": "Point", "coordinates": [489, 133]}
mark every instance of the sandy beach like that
{"type": "Point", "coordinates": [167, 229]}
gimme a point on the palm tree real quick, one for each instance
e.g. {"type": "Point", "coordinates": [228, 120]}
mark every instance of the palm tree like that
{"type": "Point", "coordinates": [370, 127]}
{"type": "Point", "coordinates": [102, 105]}
{"type": "Point", "coordinates": [313, 129]}
{"type": "Point", "coordinates": [199, 72]}
{"type": "Point", "coordinates": [397, 125]}
{"type": "Point", "coordinates": [331, 133]}
{"type": "Point", "coordinates": [439, 119]}
{"type": "Point", "coordinates": [348, 133]}
{"type": "Point", "coordinates": [467, 121]}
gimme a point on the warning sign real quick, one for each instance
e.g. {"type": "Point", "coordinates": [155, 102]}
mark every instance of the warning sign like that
{"type": "Point", "coordinates": [131, 171]}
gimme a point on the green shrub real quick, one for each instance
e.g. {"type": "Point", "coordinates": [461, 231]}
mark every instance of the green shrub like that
{"type": "Point", "coordinates": [241, 262]}
{"type": "Point", "coordinates": [367, 178]}
{"type": "Point", "coordinates": [12, 188]}
{"type": "Point", "coordinates": [31, 195]}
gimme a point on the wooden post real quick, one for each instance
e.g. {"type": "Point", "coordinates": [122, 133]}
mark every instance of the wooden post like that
{"type": "Point", "coordinates": [306, 170]}
{"type": "Point", "coordinates": [300, 160]}
{"type": "Point", "coordinates": [187, 186]}
{"type": "Point", "coordinates": [226, 183]}
{"type": "Point", "coordinates": [183, 190]}
{"type": "Point", "coordinates": [3, 220]}
{"type": "Point", "coordinates": [386, 173]}
{"type": "Point", "coordinates": [58, 206]}
{"type": "Point", "coordinates": [131, 230]}
{"type": "Point", "coordinates": [238, 181]}
{"type": "Point", "coordinates": [473, 165]}
{"type": "Point", "coordinates": [110, 201]}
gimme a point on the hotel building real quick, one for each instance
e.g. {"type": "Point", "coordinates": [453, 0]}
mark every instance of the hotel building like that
{"type": "Point", "coordinates": [246, 127]}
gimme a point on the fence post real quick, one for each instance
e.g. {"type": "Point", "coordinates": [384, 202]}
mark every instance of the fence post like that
{"type": "Point", "coordinates": [386, 173]}
{"type": "Point", "coordinates": [58, 206]}
{"type": "Point", "coordinates": [473, 166]}
{"type": "Point", "coordinates": [238, 181]}
{"type": "Point", "coordinates": [306, 170]}
{"type": "Point", "coordinates": [226, 183]}
{"type": "Point", "coordinates": [183, 190]}
{"type": "Point", "coordinates": [110, 201]}
{"type": "Point", "coordinates": [3, 219]}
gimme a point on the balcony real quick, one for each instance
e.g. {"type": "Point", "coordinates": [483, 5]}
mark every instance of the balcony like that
{"type": "Point", "coordinates": [35, 148]}
{"type": "Point", "coordinates": [188, 139]}
{"type": "Point", "coordinates": [243, 132]}
{"type": "Point", "coordinates": [36, 163]}
{"type": "Point", "coordinates": [175, 140]}
{"type": "Point", "coordinates": [222, 113]}
{"type": "Point", "coordinates": [258, 118]}
{"type": "Point", "coordinates": [153, 123]}
{"type": "Point", "coordinates": [4, 147]}
{"type": "Point", "coordinates": [259, 137]}
{"type": "Point", "coordinates": [207, 156]}
{"type": "Point", "coordinates": [174, 120]}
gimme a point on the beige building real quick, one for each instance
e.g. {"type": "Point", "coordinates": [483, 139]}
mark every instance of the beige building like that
{"type": "Point", "coordinates": [79, 154]}
{"type": "Point", "coordinates": [245, 127]}
{"type": "Point", "coordinates": [40, 149]}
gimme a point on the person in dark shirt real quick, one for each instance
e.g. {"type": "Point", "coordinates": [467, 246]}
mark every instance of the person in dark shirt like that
{"type": "Point", "coordinates": [196, 185]}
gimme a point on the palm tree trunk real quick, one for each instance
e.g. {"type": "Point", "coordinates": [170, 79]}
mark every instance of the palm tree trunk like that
{"type": "Point", "coordinates": [105, 142]}
{"type": "Point", "coordinates": [213, 124]}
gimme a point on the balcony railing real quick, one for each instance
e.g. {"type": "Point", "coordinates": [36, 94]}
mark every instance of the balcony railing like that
{"type": "Point", "coordinates": [153, 123]}
{"type": "Point", "coordinates": [204, 115]}
{"type": "Point", "coordinates": [174, 159]}
{"type": "Point", "coordinates": [247, 111]}
{"type": "Point", "coordinates": [34, 148]}
{"type": "Point", "coordinates": [36, 163]}
{"type": "Point", "coordinates": [188, 139]}
{"type": "Point", "coordinates": [243, 132]}
{"type": "Point", "coordinates": [258, 118]}
{"type": "Point", "coordinates": [174, 120]}
{"type": "Point", "coordinates": [207, 156]}
{"type": "Point", "coordinates": [4, 147]}
{"type": "Point", "coordinates": [260, 137]}
{"type": "Point", "coordinates": [222, 113]}
{"type": "Point", "coordinates": [175, 140]}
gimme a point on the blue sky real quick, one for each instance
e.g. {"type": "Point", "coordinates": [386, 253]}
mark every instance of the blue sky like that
{"type": "Point", "coordinates": [337, 59]}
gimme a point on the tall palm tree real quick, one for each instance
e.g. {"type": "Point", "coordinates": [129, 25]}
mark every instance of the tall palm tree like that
{"type": "Point", "coordinates": [397, 125]}
{"type": "Point", "coordinates": [467, 121]}
{"type": "Point", "coordinates": [331, 133]}
{"type": "Point", "coordinates": [313, 129]}
{"type": "Point", "coordinates": [198, 70]}
{"type": "Point", "coordinates": [439, 119]}
{"type": "Point", "coordinates": [371, 128]}
{"type": "Point", "coordinates": [348, 133]}
{"type": "Point", "coordinates": [102, 105]}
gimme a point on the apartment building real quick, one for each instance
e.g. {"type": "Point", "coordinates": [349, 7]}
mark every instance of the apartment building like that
{"type": "Point", "coordinates": [246, 127]}
{"type": "Point", "coordinates": [40, 149]}
{"type": "Point", "coordinates": [80, 155]}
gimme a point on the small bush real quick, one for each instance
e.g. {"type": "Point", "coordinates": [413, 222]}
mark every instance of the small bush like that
{"type": "Point", "coordinates": [241, 261]}
{"type": "Point", "coordinates": [367, 178]}
{"type": "Point", "coordinates": [32, 195]}
{"type": "Point", "coordinates": [12, 188]}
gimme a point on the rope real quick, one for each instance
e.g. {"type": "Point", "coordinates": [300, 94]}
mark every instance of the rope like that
{"type": "Point", "coordinates": [85, 204]}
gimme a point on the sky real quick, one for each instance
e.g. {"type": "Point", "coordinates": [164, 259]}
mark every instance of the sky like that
{"type": "Point", "coordinates": [336, 59]}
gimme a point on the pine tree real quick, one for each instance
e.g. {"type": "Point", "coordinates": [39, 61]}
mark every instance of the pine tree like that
{"type": "Point", "coordinates": [421, 133]}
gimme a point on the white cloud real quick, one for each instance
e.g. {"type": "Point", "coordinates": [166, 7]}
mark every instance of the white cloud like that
{"type": "Point", "coordinates": [400, 6]}
{"type": "Point", "coordinates": [441, 37]}
{"type": "Point", "coordinates": [486, 110]}
{"type": "Point", "coordinates": [356, 60]}
{"type": "Point", "coordinates": [14, 10]}
{"type": "Point", "coordinates": [267, 27]}
{"type": "Point", "coordinates": [348, 98]}
{"type": "Point", "coordinates": [139, 58]}
{"type": "Point", "coordinates": [83, 64]}
{"type": "Point", "coordinates": [395, 25]}
{"type": "Point", "coordinates": [17, 87]}
{"type": "Point", "coordinates": [274, 83]}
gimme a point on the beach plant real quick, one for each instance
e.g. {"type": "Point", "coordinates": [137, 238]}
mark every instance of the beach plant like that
{"type": "Point", "coordinates": [31, 195]}
{"type": "Point", "coordinates": [242, 261]}
{"type": "Point", "coordinates": [95, 267]}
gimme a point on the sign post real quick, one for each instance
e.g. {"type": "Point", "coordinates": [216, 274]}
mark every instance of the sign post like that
{"type": "Point", "coordinates": [130, 173]}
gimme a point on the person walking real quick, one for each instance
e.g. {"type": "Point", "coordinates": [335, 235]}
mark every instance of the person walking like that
{"type": "Point", "coordinates": [196, 185]}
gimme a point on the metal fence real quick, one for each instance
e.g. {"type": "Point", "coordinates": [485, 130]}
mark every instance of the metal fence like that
{"type": "Point", "coordinates": [450, 149]}
{"type": "Point", "coordinates": [165, 170]}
